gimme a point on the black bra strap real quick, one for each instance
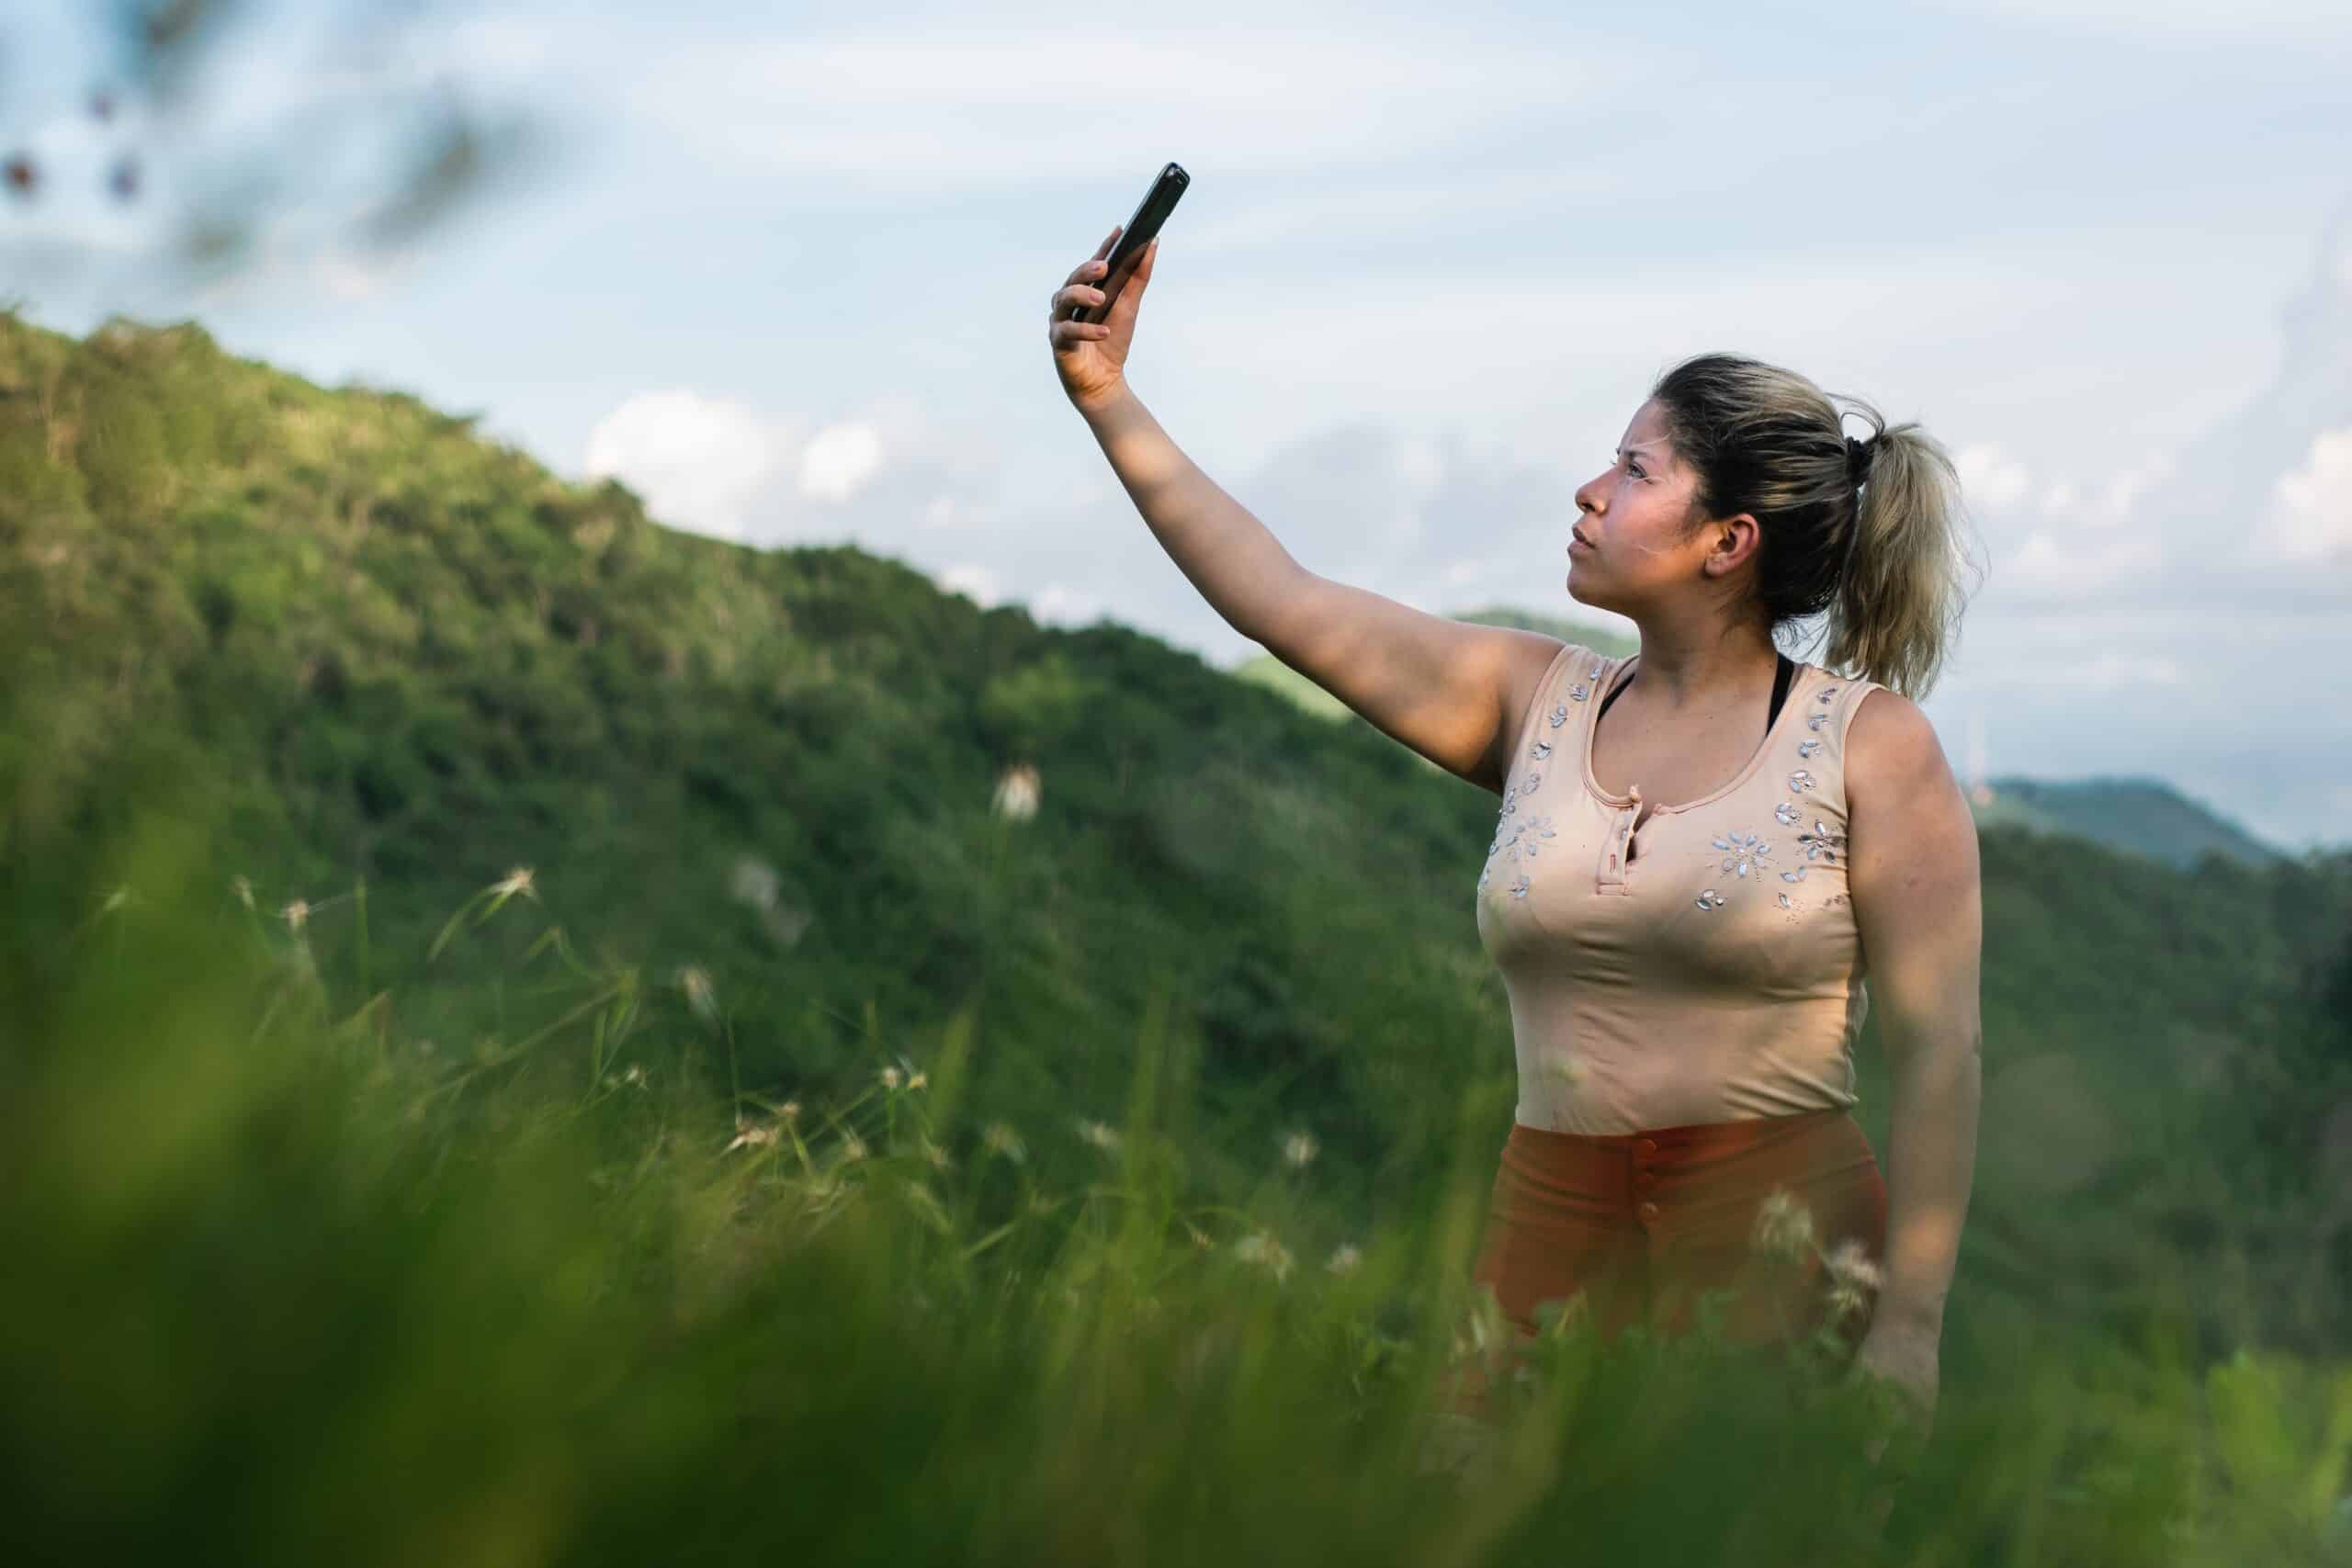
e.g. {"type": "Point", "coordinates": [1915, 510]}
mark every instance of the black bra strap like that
{"type": "Point", "coordinates": [1784, 673]}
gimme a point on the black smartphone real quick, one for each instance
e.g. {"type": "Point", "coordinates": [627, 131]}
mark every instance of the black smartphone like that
{"type": "Point", "coordinates": [1158, 203]}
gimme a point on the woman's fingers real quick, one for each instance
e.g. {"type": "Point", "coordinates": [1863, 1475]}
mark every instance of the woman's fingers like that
{"type": "Point", "coordinates": [1094, 264]}
{"type": "Point", "coordinates": [1073, 295]}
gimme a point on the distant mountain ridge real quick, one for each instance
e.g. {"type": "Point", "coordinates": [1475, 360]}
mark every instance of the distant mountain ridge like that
{"type": "Point", "coordinates": [2146, 816]}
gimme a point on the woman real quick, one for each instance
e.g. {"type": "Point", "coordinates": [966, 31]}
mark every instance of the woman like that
{"type": "Point", "coordinates": [1684, 912]}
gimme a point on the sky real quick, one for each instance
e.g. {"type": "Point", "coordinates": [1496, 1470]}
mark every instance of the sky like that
{"type": "Point", "coordinates": [786, 275]}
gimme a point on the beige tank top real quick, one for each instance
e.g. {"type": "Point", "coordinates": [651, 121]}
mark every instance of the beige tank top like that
{"type": "Point", "coordinates": [1716, 975]}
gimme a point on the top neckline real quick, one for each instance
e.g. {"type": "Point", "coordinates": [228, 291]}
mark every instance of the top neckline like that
{"type": "Point", "coordinates": [1797, 684]}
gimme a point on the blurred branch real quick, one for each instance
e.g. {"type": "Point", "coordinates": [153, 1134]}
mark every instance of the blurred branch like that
{"type": "Point", "coordinates": [256, 198]}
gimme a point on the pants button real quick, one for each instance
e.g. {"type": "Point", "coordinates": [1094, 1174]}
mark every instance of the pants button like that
{"type": "Point", "coordinates": [1646, 1180]}
{"type": "Point", "coordinates": [1649, 1211]}
{"type": "Point", "coordinates": [1647, 1146]}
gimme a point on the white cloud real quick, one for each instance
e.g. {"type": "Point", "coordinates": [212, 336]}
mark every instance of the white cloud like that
{"type": "Point", "coordinates": [697, 460]}
{"type": "Point", "coordinates": [2051, 565]}
{"type": "Point", "coordinates": [2312, 517]}
{"type": "Point", "coordinates": [839, 460]}
{"type": "Point", "coordinates": [2124, 489]}
{"type": "Point", "coordinates": [973, 580]}
{"type": "Point", "coordinates": [353, 275]}
{"type": "Point", "coordinates": [1988, 474]}
{"type": "Point", "coordinates": [1058, 604]}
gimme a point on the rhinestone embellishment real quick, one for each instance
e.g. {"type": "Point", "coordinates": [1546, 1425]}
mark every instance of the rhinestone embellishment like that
{"type": "Point", "coordinates": [1816, 720]}
{"type": "Point", "coordinates": [1821, 844]}
{"type": "Point", "coordinates": [1828, 694]}
{"type": "Point", "coordinates": [1578, 693]}
{"type": "Point", "coordinates": [1559, 715]}
{"type": "Point", "coordinates": [1746, 851]}
{"type": "Point", "coordinates": [1801, 779]}
{"type": "Point", "coordinates": [1787, 812]}
{"type": "Point", "coordinates": [1807, 748]}
{"type": "Point", "coordinates": [1520, 842]}
{"type": "Point", "coordinates": [1711, 900]}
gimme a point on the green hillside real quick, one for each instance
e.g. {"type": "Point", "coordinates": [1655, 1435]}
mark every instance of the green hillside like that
{"type": "Point", "coordinates": [359, 644]}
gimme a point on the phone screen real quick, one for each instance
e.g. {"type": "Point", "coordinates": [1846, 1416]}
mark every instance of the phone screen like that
{"type": "Point", "coordinates": [1158, 203]}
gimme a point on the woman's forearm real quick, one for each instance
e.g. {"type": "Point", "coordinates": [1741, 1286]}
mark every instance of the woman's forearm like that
{"type": "Point", "coordinates": [1234, 559]}
{"type": "Point", "coordinates": [1931, 1164]}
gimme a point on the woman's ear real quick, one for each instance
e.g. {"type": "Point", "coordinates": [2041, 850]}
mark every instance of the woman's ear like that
{"type": "Point", "coordinates": [1738, 537]}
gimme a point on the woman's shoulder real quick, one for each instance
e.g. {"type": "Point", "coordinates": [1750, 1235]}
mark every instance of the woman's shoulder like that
{"type": "Point", "coordinates": [1887, 742]}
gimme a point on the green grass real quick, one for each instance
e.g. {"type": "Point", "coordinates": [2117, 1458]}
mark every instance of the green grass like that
{"type": "Point", "coordinates": [288, 1285]}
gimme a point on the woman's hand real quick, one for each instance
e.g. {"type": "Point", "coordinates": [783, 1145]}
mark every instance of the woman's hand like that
{"type": "Point", "coordinates": [1091, 357]}
{"type": "Point", "coordinates": [1906, 1360]}
{"type": "Point", "coordinates": [1902, 1363]}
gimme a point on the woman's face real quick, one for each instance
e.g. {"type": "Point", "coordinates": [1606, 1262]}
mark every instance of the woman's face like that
{"type": "Point", "coordinates": [1635, 545]}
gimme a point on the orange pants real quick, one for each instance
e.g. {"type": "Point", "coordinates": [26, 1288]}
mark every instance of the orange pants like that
{"type": "Point", "coordinates": [1641, 1223]}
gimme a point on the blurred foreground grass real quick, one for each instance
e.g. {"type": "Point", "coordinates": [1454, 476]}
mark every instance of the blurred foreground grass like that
{"type": "Point", "coordinates": [287, 1284]}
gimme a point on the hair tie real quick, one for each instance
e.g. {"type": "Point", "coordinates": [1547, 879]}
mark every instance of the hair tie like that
{"type": "Point", "coordinates": [1858, 469]}
{"type": "Point", "coordinates": [1858, 457]}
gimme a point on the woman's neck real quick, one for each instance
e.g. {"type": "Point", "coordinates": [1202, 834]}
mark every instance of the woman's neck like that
{"type": "Point", "coordinates": [1678, 667]}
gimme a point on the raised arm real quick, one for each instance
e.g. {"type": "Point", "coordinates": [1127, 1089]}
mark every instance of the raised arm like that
{"type": "Point", "coordinates": [1445, 689]}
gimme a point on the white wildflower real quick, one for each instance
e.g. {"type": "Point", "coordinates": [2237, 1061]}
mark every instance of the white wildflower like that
{"type": "Point", "coordinates": [754, 883]}
{"type": "Point", "coordinates": [1016, 793]}
{"type": "Point", "coordinates": [1001, 1139]}
{"type": "Point", "coordinates": [1852, 1277]}
{"type": "Point", "coordinates": [1783, 1225]}
{"type": "Point", "coordinates": [700, 995]}
{"type": "Point", "coordinates": [748, 1136]}
{"type": "Point", "coordinates": [1344, 1259]}
{"type": "Point", "coordinates": [1261, 1248]}
{"type": "Point", "coordinates": [1100, 1135]}
{"type": "Point", "coordinates": [1300, 1149]}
